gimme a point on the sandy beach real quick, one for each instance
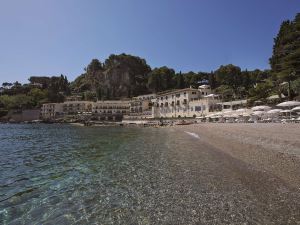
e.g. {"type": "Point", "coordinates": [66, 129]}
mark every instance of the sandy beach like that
{"type": "Point", "coordinates": [236, 173]}
{"type": "Point", "coordinates": [268, 147]}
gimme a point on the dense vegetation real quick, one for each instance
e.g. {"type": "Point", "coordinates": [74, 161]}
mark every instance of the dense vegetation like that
{"type": "Point", "coordinates": [27, 96]}
{"type": "Point", "coordinates": [125, 76]}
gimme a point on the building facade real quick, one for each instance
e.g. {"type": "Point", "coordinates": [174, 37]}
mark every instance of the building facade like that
{"type": "Point", "coordinates": [51, 110]}
{"type": "Point", "coordinates": [174, 103]}
{"type": "Point", "coordinates": [141, 107]}
{"type": "Point", "coordinates": [188, 102]}
{"type": "Point", "coordinates": [110, 110]}
{"type": "Point", "coordinates": [77, 107]}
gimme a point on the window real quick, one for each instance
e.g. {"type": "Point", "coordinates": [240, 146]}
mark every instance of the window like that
{"type": "Point", "coordinates": [197, 108]}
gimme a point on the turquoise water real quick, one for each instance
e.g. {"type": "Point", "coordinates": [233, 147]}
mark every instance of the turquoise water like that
{"type": "Point", "coordinates": [61, 174]}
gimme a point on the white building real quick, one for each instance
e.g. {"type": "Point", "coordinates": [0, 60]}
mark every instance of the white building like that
{"type": "Point", "coordinates": [205, 90]}
{"type": "Point", "coordinates": [111, 110]}
{"type": "Point", "coordinates": [77, 107]}
{"type": "Point", "coordinates": [174, 103]}
{"type": "Point", "coordinates": [51, 110]}
{"type": "Point", "coordinates": [141, 107]}
{"type": "Point", "coordinates": [204, 106]}
{"type": "Point", "coordinates": [186, 102]}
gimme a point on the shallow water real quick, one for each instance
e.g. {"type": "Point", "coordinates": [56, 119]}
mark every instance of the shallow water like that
{"type": "Point", "coordinates": [60, 174]}
{"type": "Point", "coordinates": [63, 174]}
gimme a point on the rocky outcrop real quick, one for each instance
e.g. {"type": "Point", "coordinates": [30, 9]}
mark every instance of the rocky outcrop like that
{"type": "Point", "coordinates": [119, 77]}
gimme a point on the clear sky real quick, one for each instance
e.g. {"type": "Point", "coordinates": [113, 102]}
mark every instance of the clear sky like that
{"type": "Point", "coordinates": [53, 37]}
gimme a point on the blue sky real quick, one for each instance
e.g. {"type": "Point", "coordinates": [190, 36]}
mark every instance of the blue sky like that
{"type": "Point", "coordinates": [53, 37]}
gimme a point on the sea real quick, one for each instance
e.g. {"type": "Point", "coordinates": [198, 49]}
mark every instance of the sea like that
{"type": "Point", "coordinates": [64, 174]}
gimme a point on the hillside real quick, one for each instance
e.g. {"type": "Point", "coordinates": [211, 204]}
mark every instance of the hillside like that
{"type": "Point", "coordinates": [120, 76]}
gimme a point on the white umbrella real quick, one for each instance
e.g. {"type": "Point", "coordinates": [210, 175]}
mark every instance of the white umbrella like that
{"type": "Point", "coordinates": [274, 111]}
{"type": "Point", "coordinates": [245, 114]}
{"type": "Point", "coordinates": [296, 108]}
{"type": "Point", "coordinates": [240, 110]}
{"type": "Point", "coordinates": [261, 108]}
{"type": "Point", "coordinates": [289, 104]}
{"type": "Point", "coordinates": [258, 113]}
{"type": "Point", "coordinates": [286, 111]}
{"type": "Point", "coordinates": [228, 112]}
{"type": "Point", "coordinates": [233, 115]}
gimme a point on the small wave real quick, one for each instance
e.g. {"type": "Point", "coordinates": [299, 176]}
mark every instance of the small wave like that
{"type": "Point", "coordinates": [193, 134]}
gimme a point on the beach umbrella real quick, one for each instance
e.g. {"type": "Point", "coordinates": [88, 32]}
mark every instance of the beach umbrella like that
{"type": "Point", "coordinates": [286, 111]}
{"type": "Point", "coordinates": [234, 115]}
{"type": "Point", "coordinates": [296, 108]}
{"type": "Point", "coordinates": [288, 104]}
{"type": "Point", "coordinates": [245, 114]}
{"type": "Point", "coordinates": [258, 113]}
{"type": "Point", "coordinates": [228, 112]}
{"type": "Point", "coordinates": [261, 108]}
{"type": "Point", "coordinates": [240, 110]}
{"type": "Point", "coordinates": [219, 114]}
{"type": "Point", "coordinates": [274, 111]}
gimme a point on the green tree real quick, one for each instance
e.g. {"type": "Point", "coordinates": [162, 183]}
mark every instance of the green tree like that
{"type": "Point", "coordinates": [180, 83]}
{"type": "Point", "coordinates": [229, 75]}
{"type": "Point", "coordinates": [161, 79]}
{"type": "Point", "coordinates": [285, 63]}
{"type": "Point", "coordinates": [38, 96]}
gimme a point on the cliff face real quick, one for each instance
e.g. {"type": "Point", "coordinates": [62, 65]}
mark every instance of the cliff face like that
{"type": "Point", "coordinates": [120, 76]}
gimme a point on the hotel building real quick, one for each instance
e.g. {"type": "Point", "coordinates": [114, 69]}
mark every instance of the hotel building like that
{"type": "Point", "coordinates": [110, 110]}
{"type": "Point", "coordinates": [51, 110]}
{"type": "Point", "coordinates": [141, 107]}
{"type": "Point", "coordinates": [77, 107]}
{"type": "Point", "coordinates": [188, 102]}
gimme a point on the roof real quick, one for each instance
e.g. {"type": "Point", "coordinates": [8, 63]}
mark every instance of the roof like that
{"type": "Point", "coordinates": [175, 91]}
{"type": "Point", "coordinates": [204, 86]}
